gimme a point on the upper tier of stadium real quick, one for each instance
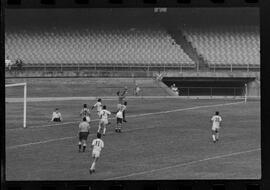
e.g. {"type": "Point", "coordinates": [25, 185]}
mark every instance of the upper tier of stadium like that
{"type": "Point", "coordinates": [128, 37]}
{"type": "Point", "coordinates": [105, 45]}
{"type": "Point", "coordinates": [225, 45]}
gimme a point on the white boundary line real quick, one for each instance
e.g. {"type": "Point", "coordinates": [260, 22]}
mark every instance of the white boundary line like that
{"type": "Point", "coordinates": [184, 164]}
{"type": "Point", "coordinates": [43, 126]}
{"type": "Point", "coordinates": [71, 137]}
{"type": "Point", "coordinates": [185, 109]}
{"type": "Point", "coordinates": [39, 142]}
{"type": "Point", "coordinates": [139, 115]}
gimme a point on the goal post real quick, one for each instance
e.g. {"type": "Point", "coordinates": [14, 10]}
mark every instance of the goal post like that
{"type": "Point", "coordinates": [24, 98]}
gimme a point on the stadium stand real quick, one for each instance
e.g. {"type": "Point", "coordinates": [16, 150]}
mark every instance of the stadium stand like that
{"type": "Point", "coordinates": [106, 44]}
{"type": "Point", "coordinates": [225, 46]}
{"type": "Point", "coordinates": [105, 38]}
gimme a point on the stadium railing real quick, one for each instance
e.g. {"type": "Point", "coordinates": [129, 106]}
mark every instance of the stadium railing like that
{"type": "Point", "coordinates": [233, 67]}
{"type": "Point", "coordinates": [106, 66]}
{"type": "Point", "coordinates": [180, 67]}
{"type": "Point", "coordinates": [216, 91]}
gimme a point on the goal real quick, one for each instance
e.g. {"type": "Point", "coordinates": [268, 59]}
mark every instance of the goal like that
{"type": "Point", "coordinates": [24, 85]}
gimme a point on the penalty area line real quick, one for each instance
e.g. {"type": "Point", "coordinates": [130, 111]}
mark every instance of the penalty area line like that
{"type": "Point", "coordinates": [183, 164]}
{"type": "Point", "coordinates": [137, 115]}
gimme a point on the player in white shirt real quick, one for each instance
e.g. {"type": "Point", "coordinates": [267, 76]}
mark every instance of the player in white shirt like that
{"type": "Point", "coordinates": [56, 116]}
{"type": "Point", "coordinates": [103, 120]}
{"type": "Point", "coordinates": [216, 123]}
{"type": "Point", "coordinates": [137, 90]}
{"type": "Point", "coordinates": [97, 145]}
{"type": "Point", "coordinates": [98, 105]}
{"type": "Point", "coordinates": [84, 130]}
{"type": "Point", "coordinates": [121, 97]}
{"type": "Point", "coordinates": [119, 119]}
{"type": "Point", "coordinates": [85, 112]}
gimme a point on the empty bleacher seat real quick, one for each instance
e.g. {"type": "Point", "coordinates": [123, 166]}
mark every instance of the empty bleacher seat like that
{"type": "Point", "coordinates": [88, 44]}
{"type": "Point", "coordinates": [226, 45]}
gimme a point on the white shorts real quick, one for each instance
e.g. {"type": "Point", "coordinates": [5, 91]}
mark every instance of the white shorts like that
{"type": "Point", "coordinates": [95, 154]}
{"type": "Point", "coordinates": [98, 113]}
{"type": "Point", "coordinates": [215, 128]}
{"type": "Point", "coordinates": [104, 121]}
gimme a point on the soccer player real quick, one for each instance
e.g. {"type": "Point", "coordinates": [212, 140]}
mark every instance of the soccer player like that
{"type": "Point", "coordinates": [119, 120]}
{"type": "Point", "coordinates": [124, 107]}
{"type": "Point", "coordinates": [121, 97]}
{"type": "Point", "coordinates": [216, 123]}
{"type": "Point", "coordinates": [56, 116]}
{"type": "Point", "coordinates": [103, 120]}
{"type": "Point", "coordinates": [98, 105]}
{"type": "Point", "coordinates": [137, 90]}
{"type": "Point", "coordinates": [85, 112]}
{"type": "Point", "coordinates": [84, 129]}
{"type": "Point", "coordinates": [97, 145]}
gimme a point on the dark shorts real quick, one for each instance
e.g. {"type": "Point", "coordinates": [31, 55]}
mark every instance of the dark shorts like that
{"type": "Point", "coordinates": [83, 135]}
{"type": "Point", "coordinates": [119, 120]}
{"type": "Point", "coordinates": [215, 130]}
{"type": "Point", "coordinates": [56, 120]}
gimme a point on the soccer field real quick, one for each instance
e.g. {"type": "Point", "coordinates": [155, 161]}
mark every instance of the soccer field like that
{"type": "Point", "coordinates": [163, 139]}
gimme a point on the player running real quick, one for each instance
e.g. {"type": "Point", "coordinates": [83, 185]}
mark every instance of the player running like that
{"type": "Point", "coordinates": [84, 129]}
{"type": "Point", "coordinates": [103, 120]}
{"type": "Point", "coordinates": [216, 120]}
{"type": "Point", "coordinates": [98, 105]}
{"type": "Point", "coordinates": [97, 145]}
{"type": "Point", "coordinates": [85, 112]}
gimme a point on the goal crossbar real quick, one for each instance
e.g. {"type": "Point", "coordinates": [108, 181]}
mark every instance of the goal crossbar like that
{"type": "Point", "coordinates": [15, 84]}
{"type": "Point", "coordinates": [24, 99]}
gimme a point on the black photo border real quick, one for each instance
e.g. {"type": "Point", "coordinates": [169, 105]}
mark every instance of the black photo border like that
{"type": "Point", "coordinates": [260, 184]}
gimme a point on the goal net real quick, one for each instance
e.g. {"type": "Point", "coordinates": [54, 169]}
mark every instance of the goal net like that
{"type": "Point", "coordinates": [14, 93]}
